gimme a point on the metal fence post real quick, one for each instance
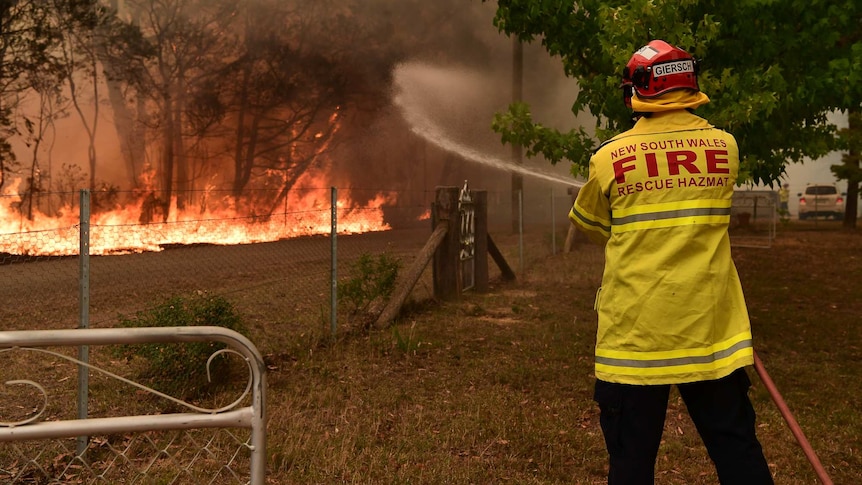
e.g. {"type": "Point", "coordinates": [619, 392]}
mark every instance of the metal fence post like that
{"type": "Point", "coordinates": [481, 259]}
{"type": "Point", "coordinates": [84, 311]}
{"type": "Point", "coordinates": [521, 232]}
{"type": "Point", "coordinates": [333, 298]}
{"type": "Point", "coordinates": [553, 225]}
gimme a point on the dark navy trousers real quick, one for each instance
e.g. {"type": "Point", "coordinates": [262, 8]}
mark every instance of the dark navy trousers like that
{"type": "Point", "coordinates": [632, 421]}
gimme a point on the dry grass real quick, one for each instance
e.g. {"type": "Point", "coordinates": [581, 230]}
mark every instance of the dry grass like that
{"type": "Point", "coordinates": [497, 388]}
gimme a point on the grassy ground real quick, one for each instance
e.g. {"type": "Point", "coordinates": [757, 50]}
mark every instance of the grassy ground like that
{"type": "Point", "coordinates": [497, 388]}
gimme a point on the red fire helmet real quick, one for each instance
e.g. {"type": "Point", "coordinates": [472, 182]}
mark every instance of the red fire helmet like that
{"type": "Point", "coordinates": [657, 68]}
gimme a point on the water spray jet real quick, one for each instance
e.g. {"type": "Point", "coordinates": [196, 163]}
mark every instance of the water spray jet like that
{"type": "Point", "coordinates": [422, 125]}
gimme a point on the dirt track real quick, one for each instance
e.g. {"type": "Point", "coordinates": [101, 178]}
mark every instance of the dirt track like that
{"type": "Point", "coordinates": [264, 280]}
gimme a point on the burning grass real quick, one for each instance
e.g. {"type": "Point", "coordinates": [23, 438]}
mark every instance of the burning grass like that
{"type": "Point", "coordinates": [497, 388]}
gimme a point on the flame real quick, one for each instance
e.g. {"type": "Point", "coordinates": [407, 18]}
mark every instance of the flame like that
{"type": "Point", "coordinates": [119, 231]}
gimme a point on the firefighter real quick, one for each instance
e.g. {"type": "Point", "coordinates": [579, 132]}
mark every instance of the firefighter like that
{"type": "Point", "coordinates": [671, 310]}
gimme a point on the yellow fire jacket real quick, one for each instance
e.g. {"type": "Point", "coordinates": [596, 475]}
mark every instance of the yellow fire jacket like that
{"type": "Point", "coordinates": [671, 307]}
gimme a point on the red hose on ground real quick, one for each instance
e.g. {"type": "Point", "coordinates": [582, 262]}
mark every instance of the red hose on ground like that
{"type": "Point", "coordinates": [791, 422]}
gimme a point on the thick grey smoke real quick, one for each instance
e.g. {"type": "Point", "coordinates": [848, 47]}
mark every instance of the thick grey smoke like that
{"type": "Point", "coordinates": [455, 84]}
{"type": "Point", "coordinates": [446, 55]}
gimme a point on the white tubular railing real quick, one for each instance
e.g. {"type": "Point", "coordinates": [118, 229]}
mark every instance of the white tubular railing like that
{"type": "Point", "coordinates": [250, 417]}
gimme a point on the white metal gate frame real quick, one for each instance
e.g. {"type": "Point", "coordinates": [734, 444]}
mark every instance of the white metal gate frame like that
{"type": "Point", "coordinates": [467, 253]}
{"type": "Point", "coordinates": [251, 417]}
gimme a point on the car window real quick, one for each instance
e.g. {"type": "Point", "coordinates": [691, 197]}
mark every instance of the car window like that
{"type": "Point", "coordinates": [821, 190]}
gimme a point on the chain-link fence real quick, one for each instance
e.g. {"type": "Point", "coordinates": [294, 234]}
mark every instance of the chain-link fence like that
{"type": "Point", "coordinates": [280, 270]}
{"type": "Point", "coordinates": [285, 260]}
{"type": "Point", "coordinates": [179, 457]}
{"type": "Point", "coordinates": [66, 266]}
{"type": "Point", "coordinates": [754, 217]}
{"type": "Point", "coordinates": [279, 267]}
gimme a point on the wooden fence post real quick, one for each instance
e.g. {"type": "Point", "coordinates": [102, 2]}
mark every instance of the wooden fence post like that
{"type": "Point", "coordinates": [480, 201]}
{"type": "Point", "coordinates": [447, 281]}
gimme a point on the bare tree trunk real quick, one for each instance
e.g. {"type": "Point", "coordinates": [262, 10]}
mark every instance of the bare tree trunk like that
{"type": "Point", "coordinates": [33, 186]}
{"type": "Point", "coordinates": [129, 133]}
{"type": "Point", "coordinates": [240, 178]}
{"type": "Point", "coordinates": [167, 162]}
{"type": "Point", "coordinates": [250, 152]}
{"type": "Point", "coordinates": [88, 127]}
{"type": "Point", "coordinates": [91, 133]}
{"type": "Point", "coordinates": [34, 181]}
{"type": "Point", "coordinates": [181, 162]}
{"type": "Point", "coordinates": [5, 164]}
{"type": "Point", "coordinates": [130, 137]}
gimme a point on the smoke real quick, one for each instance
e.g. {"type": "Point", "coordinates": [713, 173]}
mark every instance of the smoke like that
{"type": "Point", "coordinates": [453, 125]}
{"type": "Point", "coordinates": [444, 96]}
{"type": "Point", "coordinates": [443, 60]}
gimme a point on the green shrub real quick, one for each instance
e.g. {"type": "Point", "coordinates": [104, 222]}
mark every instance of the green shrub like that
{"type": "Point", "coordinates": [180, 369]}
{"type": "Point", "coordinates": [372, 279]}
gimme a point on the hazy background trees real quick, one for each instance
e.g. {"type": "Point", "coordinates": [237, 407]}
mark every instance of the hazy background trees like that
{"type": "Point", "coordinates": [23, 58]}
{"type": "Point", "coordinates": [244, 97]}
{"type": "Point", "coordinates": [248, 97]}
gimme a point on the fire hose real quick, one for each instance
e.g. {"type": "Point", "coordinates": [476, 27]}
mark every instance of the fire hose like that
{"type": "Point", "coordinates": [791, 422]}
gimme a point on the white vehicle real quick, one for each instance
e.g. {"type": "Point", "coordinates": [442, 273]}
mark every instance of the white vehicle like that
{"type": "Point", "coordinates": [821, 200]}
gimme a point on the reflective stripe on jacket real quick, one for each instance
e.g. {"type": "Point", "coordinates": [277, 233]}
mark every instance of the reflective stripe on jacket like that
{"type": "Point", "coordinates": [671, 307]}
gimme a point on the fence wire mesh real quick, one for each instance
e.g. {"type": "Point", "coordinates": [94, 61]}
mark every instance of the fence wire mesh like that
{"type": "Point", "coordinates": [189, 457]}
{"type": "Point", "coordinates": [150, 261]}
{"type": "Point", "coordinates": [281, 287]}
{"type": "Point", "coordinates": [754, 217]}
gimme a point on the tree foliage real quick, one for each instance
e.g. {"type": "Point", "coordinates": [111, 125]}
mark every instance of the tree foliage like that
{"type": "Point", "coordinates": [25, 43]}
{"type": "Point", "coordinates": [773, 70]}
{"type": "Point", "coordinates": [46, 52]}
